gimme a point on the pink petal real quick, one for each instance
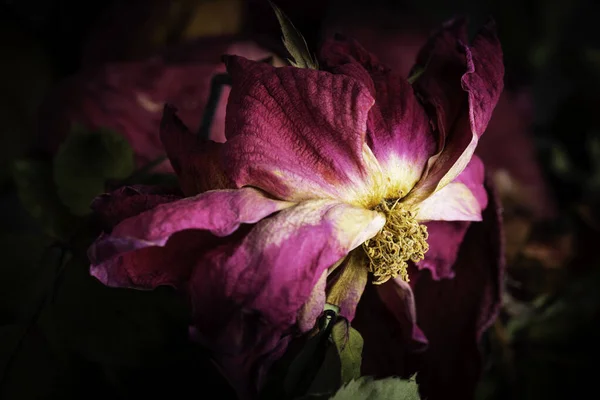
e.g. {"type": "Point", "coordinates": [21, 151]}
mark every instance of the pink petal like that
{"type": "Point", "coordinates": [298, 133]}
{"type": "Point", "coordinates": [398, 129]}
{"type": "Point", "coordinates": [453, 313]}
{"type": "Point", "coordinates": [457, 75]}
{"type": "Point", "coordinates": [278, 255]}
{"type": "Point", "coordinates": [461, 200]}
{"type": "Point", "coordinates": [218, 212]}
{"type": "Point", "coordinates": [197, 162]}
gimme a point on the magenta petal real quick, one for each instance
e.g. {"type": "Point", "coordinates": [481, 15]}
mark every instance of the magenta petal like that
{"type": "Point", "coordinates": [398, 129]}
{"type": "Point", "coordinates": [196, 162]}
{"type": "Point", "coordinates": [462, 84]}
{"type": "Point", "coordinates": [297, 133]}
{"type": "Point", "coordinates": [218, 212]}
{"type": "Point", "coordinates": [453, 313]}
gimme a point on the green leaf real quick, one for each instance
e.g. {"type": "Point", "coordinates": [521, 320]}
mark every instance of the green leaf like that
{"type": "Point", "coordinates": [366, 388]}
{"type": "Point", "coordinates": [294, 42]}
{"type": "Point", "coordinates": [349, 345]}
{"type": "Point", "coordinates": [85, 161]}
{"type": "Point", "coordinates": [38, 196]}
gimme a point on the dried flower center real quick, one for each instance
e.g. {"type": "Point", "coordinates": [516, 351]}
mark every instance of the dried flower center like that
{"type": "Point", "coordinates": [401, 239]}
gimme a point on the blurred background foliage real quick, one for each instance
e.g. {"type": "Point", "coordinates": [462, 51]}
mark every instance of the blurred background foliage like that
{"type": "Point", "coordinates": [63, 333]}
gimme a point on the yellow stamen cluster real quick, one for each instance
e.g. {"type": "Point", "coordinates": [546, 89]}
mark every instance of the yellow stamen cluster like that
{"type": "Point", "coordinates": [401, 239]}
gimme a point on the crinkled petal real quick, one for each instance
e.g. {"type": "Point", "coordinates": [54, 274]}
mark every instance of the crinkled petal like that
{"type": "Point", "coordinates": [462, 84]}
{"type": "Point", "coordinates": [299, 133]}
{"type": "Point", "coordinates": [197, 162]}
{"type": "Point", "coordinates": [218, 212]}
{"type": "Point", "coordinates": [461, 200]}
{"type": "Point", "coordinates": [398, 128]}
{"type": "Point", "coordinates": [453, 313]}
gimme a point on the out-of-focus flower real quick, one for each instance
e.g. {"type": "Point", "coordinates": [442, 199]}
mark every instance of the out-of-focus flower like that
{"type": "Point", "coordinates": [325, 176]}
{"type": "Point", "coordinates": [129, 97]}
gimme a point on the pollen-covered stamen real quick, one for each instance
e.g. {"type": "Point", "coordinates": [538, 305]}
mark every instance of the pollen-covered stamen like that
{"type": "Point", "coordinates": [402, 239]}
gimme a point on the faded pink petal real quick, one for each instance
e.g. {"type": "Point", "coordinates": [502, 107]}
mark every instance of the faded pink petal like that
{"type": "Point", "coordinates": [398, 129]}
{"type": "Point", "coordinates": [128, 97]}
{"type": "Point", "coordinates": [196, 161]}
{"type": "Point", "coordinates": [453, 313]}
{"type": "Point", "coordinates": [297, 133]}
{"type": "Point", "coordinates": [218, 212]}
{"type": "Point", "coordinates": [461, 200]}
{"type": "Point", "coordinates": [463, 109]}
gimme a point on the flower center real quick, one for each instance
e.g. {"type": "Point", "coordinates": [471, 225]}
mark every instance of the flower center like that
{"type": "Point", "coordinates": [401, 239]}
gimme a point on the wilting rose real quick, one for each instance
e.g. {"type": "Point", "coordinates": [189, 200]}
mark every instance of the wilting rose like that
{"type": "Point", "coordinates": [344, 170]}
{"type": "Point", "coordinates": [128, 97]}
